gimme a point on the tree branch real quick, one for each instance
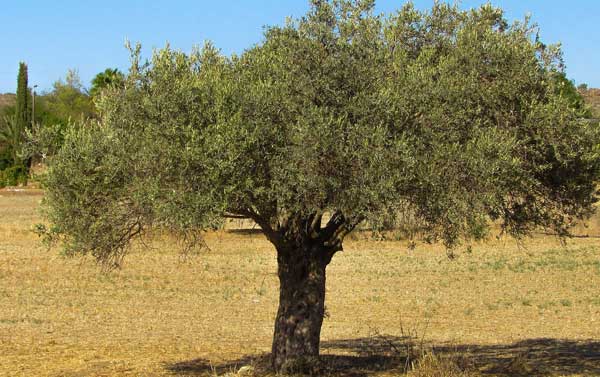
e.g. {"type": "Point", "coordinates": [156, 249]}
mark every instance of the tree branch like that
{"type": "Point", "coordinates": [335, 222]}
{"type": "Point", "coordinates": [337, 229]}
{"type": "Point", "coordinates": [315, 224]}
{"type": "Point", "coordinates": [263, 222]}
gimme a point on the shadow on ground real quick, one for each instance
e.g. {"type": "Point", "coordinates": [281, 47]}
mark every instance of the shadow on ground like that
{"type": "Point", "coordinates": [368, 356]}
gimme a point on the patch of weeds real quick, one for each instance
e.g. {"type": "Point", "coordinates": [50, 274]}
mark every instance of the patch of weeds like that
{"type": "Point", "coordinates": [594, 301]}
{"type": "Point", "coordinates": [13, 321]}
{"type": "Point", "coordinates": [519, 366]}
{"type": "Point", "coordinates": [565, 263]}
{"type": "Point", "coordinates": [468, 311]}
{"type": "Point", "coordinates": [521, 266]}
{"type": "Point", "coordinates": [496, 265]}
{"type": "Point", "coordinates": [430, 300]}
{"type": "Point", "coordinates": [430, 312]}
{"type": "Point", "coordinates": [228, 293]}
{"type": "Point", "coordinates": [546, 305]}
{"type": "Point", "coordinates": [8, 321]}
{"type": "Point", "coordinates": [262, 290]}
{"type": "Point", "coordinates": [491, 306]}
{"type": "Point", "coordinates": [566, 302]}
{"type": "Point", "coordinates": [526, 302]}
{"type": "Point", "coordinates": [432, 365]}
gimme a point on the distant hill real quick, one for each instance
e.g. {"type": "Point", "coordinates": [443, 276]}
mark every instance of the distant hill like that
{"type": "Point", "coordinates": [7, 99]}
{"type": "Point", "coordinates": [592, 98]}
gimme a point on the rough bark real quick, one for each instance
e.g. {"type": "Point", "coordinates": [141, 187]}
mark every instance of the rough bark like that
{"type": "Point", "coordinates": [301, 270]}
{"type": "Point", "coordinates": [304, 249]}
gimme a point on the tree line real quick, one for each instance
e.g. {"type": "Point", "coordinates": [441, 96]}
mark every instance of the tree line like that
{"type": "Point", "coordinates": [34, 126]}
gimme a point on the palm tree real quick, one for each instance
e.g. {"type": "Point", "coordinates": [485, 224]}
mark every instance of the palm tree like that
{"type": "Point", "coordinates": [110, 77]}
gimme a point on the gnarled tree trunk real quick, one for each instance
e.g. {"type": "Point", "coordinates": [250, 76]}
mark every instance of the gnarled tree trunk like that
{"type": "Point", "coordinates": [304, 249]}
{"type": "Point", "coordinates": [301, 270]}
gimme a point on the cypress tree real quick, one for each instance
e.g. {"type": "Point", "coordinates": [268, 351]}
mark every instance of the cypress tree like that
{"type": "Point", "coordinates": [23, 106]}
{"type": "Point", "coordinates": [23, 110]}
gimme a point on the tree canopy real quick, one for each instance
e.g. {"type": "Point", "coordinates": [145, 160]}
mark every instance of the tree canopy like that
{"type": "Point", "coordinates": [109, 77]}
{"type": "Point", "coordinates": [68, 100]}
{"type": "Point", "coordinates": [342, 115]}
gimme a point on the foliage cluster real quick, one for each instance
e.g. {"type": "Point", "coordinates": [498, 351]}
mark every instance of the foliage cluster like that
{"type": "Point", "coordinates": [13, 169]}
{"type": "Point", "coordinates": [15, 175]}
{"type": "Point", "coordinates": [108, 78]}
{"type": "Point", "coordinates": [67, 101]}
{"type": "Point", "coordinates": [566, 89]}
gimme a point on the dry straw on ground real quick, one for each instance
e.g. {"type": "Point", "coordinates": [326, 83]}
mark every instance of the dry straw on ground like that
{"type": "Point", "coordinates": [531, 308]}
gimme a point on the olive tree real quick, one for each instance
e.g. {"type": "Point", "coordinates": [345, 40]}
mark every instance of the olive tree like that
{"type": "Point", "coordinates": [335, 119]}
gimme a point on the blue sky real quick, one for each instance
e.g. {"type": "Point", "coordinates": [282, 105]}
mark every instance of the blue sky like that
{"type": "Point", "coordinates": [53, 36]}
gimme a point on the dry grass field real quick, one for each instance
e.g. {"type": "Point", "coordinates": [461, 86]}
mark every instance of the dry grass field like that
{"type": "Point", "coordinates": [507, 308]}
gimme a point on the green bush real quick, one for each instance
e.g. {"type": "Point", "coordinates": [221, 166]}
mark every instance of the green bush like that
{"type": "Point", "coordinates": [13, 176]}
{"type": "Point", "coordinates": [5, 158]}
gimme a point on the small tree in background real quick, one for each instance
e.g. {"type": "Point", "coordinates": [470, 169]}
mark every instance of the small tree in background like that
{"type": "Point", "coordinates": [69, 99]}
{"type": "Point", "coordinates": [339, 118]}
{"type": "Point", "coordinates": [13, 127]}
{"type": "Point", "coordinates": [16, 125]}
{"type": "Point", "coordinates": [23, 100]}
